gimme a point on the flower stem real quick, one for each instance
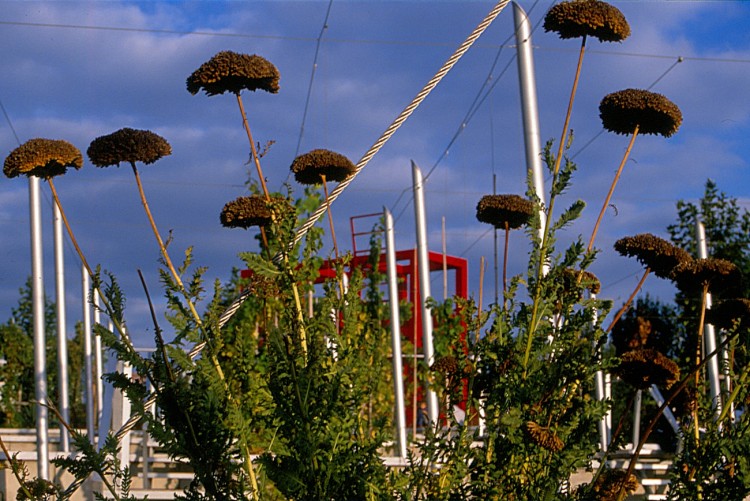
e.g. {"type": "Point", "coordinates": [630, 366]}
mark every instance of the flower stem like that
{"type": "Point", "coordinates": [563, 136]}
{"type": "Point", "coordinates": [254, 150]}
{"type": "Point", "coordinates": [543, 244]}
{"type": "Point", "coordinates": [627, 304]}
{"type": "Point", "coordinates": [196, 316]}
{"type": "Point", "coordinates": [612, 188]}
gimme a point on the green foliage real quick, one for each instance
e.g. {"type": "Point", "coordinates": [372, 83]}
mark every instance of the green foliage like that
{"type": "Point", "coordinates": [528, 368]}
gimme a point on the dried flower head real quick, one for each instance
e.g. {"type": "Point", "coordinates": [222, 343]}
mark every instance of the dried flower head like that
{"type": "Point", "coordinates": [42, 158]}
{"type": "Point", "coordinates": [259, 285]}
{"type": "Point", "coordinates": [643, 328]}
{"type": "Point", "coordinates": [310, 166]}
{"type": "Point", "coordinates": [631, 334]}
{"type": "Point", "coordinates": [128, 145]}
{"type": "Point", "coordinates": [573, 278]}
{"type": "Point", "coordinates": [657, 254]}
{"type": "Point", "coordinates": [499, 210]}
{"type": "Point", "coordinates": [245, 212]}
{"type": "Point", "coordinates": [730, 313]}
{"type": "Point", "coordinates": [719, 275]}
{"type": "Point", "coordinates": [607, 485]}
{"type": "Point", "coordinates": [642, 368]}
{"type": "Point", "coordinates": [229, 71]}
{"type": "Point", "coordinates": [653, 113]}
{"type": "Point", "coordinates": [544, 437]}
{"type": "Point", "coordinates": [593, 18]}
{"type": "Point", "coordinates": [447, 366]}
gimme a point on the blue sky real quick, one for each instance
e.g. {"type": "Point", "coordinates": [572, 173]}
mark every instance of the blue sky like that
{"type": "Point", "coordinates": [79, 70]}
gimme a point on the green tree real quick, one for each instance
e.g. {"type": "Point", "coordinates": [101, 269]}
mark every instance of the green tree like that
{"type": "Point", "coordinates": [17, 373]}
{"type": "Point", "coordinates": [727, 228]}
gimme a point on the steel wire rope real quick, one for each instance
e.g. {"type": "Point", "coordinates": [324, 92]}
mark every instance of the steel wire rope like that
{"type": "Point", "coordinates": [320, 211]}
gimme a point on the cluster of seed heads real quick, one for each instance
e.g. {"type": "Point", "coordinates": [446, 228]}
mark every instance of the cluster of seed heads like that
{"type": "Point", "coordinates": [653, 113]}
{"type": "Point", "coordinates": [642, 368]}
{"type": "Point", "coordinates": [592, 18]}
{"type": "Point", "coordinates": [657, 254]}
{"type": "Point", "coordinates": [245, 212]}
{"type": "Point", "coordinates": [309, 167]}
{"type": "Point", "coordinates": [44, 158]}
{"type": "Point", "coordinates": [718, 275]}
{"type": "Point", "coordinates": [544, 437]}
{"type": "Point", "coordinates": [608, 484]}
{"type": "Point", "coordinates": [730, 313]}
{"type": "Point", "coordinates": [499, 210]}
{"type": "Point", "coordinates": [128, 145]}
{"type": "Point", "coordinates": [631, 334]}
{"type": "Point", "coordinates": [229, 71]}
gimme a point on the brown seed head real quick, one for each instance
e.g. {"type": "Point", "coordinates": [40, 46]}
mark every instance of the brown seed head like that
{"type": "Point", "coordinates": [587, 280]}
{"type": "Point", "coordinates": [229, 71]}
{"type": "Point", "coordinates": [128, 145]}
{"type": "Point", "coordinates": [245, 212]}
{"type": "Point", "coordinates": [719, 275]}
{"type": "Point", "coordinates": [498, 210]}
{"type": "Point", "coordinates": [593, 18]}
{"type": "Point", "coordinates": [657, 254]}
{"type": "Point", "coordinates": [42, 158]}
{"type": "Point", "coordinates": [653, 113]}
{"type": "Point", "coordinates": [544, 437]}
{"type": "Point", "coordinates": [608, 484]}
{"type": "Point", "coordinates": [642, 368]}
{"type": "Point", "coordinates": [310, 166]}
{"type": "Point", "coordinates": [730, 312]}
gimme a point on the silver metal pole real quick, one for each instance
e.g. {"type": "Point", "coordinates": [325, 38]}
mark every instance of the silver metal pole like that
{"type": "Point", "coordinates": [62, 337]}
{"type": "Point", "coordinates": [98, 354]}
{"type": "Point", "coordinates": [398, 371]}
{"type": "Point", "coordinates": [637, 404]}
{"type": "Point", "coordinates": [424, 286]}
{"type": "Point", "coordinates": [40, 342]}
{"type": "Point", "coordinates": [87, 357]}
{"type": "Point", "coordinates": [604, 430]}
{"type": "Point", "coordinates": [530, 113]}
{"type": "Point", "coordinates": [709, 334]}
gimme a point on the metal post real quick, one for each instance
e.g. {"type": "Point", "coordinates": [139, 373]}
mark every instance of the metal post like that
{"type": "Point", "coordinates": [601, 392]}
{"type": "Point", "coordinates": [40, 342]}
{"type": "Point", "coordinates": [709, 334]}
{"type": "Point", "coordinates": [62, 338]}
{"type": "Point", "coordinates": [527, 82]}
{"type": "Point", "coordinates": [98, 383]}
{"type": "Point", "coordinates": [424, 285]}
{"type": "Point", "coordinates": [87, 357]}
{"type": "Point", "coordinates": [637, 404]}
{"type": "Point", "coordinates": [398, 371]}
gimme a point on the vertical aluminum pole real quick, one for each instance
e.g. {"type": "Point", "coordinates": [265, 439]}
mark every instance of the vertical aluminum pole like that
{"type": "Point", "coordinates": [98, 364]}
{"type": "Point", "coordinates": [87, 357]}
{"type": "Point", "coordinates": [527, 82]}
{"type": "Point", "coordinates": [709, 334]}
{"type": "Point", "coordinates": [40, 342]}
{"type": "Point", "coordinates": [62, 337]}
{"type": "Point", "coordinates": [601, 392]}
{"type": "Point", "coordinates": [637, 404]}
{"type": "Point", "coordinates": [424, 285]}
{"type": "Point", "coordinates": [398, 371]}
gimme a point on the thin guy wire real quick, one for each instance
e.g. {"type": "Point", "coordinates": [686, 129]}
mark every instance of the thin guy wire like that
{"type": "Point", "coordinates": [312, 79]}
